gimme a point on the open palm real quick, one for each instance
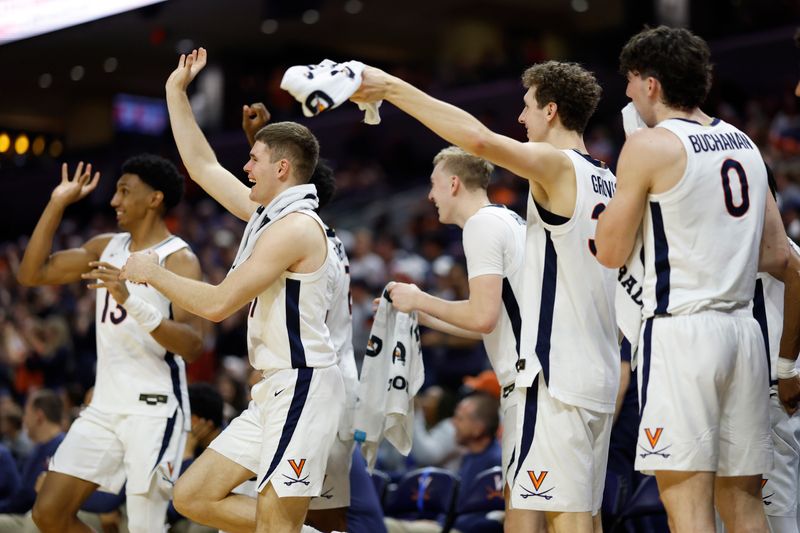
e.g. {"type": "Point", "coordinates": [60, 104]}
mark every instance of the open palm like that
{"type": "Point", "coordinates": [82, 183]}
{"type": "Point", "coordinates": [189, 65]}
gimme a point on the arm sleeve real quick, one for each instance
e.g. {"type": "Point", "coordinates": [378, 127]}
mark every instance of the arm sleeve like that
{"type": "Point", "coordinates": [485, 241]}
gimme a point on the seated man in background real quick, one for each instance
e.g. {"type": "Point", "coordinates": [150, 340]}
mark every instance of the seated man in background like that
{"type": "Point", "coordinates": [476, 421]}
{"type": "Point", "coordinates": [42, 421]}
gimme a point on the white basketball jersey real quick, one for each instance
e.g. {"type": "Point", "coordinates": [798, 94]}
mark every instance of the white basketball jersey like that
{"type": "Point", "coordinates": [340, 324]}
{"type": "Point", "coordinates": [702, 237]}
{"type": "Point", "coordinates": [286, 323]}
{"type": "Point", "coordinates": [135, 374]}
{"type": "Point", "coordinates": [768, 311]}
{"type": "Point", "coordinates": [494, 243]}
{"type": "Point", "coordinates": [569, 330]}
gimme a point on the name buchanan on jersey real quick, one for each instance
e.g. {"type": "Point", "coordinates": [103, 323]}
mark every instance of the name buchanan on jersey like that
{"type": "Point", "coordinates": [712, 142]}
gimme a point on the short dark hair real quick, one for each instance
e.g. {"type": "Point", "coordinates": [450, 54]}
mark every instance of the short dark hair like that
{"type": "Point", "coordinates": [49, 403]}
{"type": "Point", "coordinates": [677, 58]}
{"type": "Point", "coordinates": [294, 142]}
{"type": "Point", "coordinates": [159, 173]}
{"type": "Point", "coordinates": [206, 402]}
{"type": "Point", "coordinates": [473, 171]}
{"type": "Point", "coordinates": [325, 181]}
{"type": "Point", "coordinates": [570, 86]}
{"type": "Point", "coordinates": [487, 411]}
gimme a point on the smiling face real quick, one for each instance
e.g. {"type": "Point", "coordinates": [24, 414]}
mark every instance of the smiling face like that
{"type": "Point", "coordinates": [131, 200]}
{"type": "Point", "coordinates": [533, 117]}
{"type": "Point", "coordinates": [441, 193]}
{"type": "Point", "coordinates": [263, 173]}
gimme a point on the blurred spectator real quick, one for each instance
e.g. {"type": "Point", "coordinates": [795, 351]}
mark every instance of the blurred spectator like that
{"type": "Point", "coordinates": [475, 424]}
{"type": "Point", "coordinates": [42, 421]}
{"type": "Point", "coordinates": [11, 433]}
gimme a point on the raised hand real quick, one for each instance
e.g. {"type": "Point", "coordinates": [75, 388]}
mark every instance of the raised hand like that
{"type": "Point", "coordinates": [82, 183]}
{"type": "Point", "coordinates": [188, 67]}
{"type": "Point", "coordinates": [107, 276]}
{"type": "Point", "coordinates": [254, 117]}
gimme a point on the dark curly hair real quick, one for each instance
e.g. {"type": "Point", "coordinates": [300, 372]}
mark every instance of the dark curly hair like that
{"type": "Point", "coordinates": [677, 58]}
{"type": "Point", "coordinates": [160, 174]}
{"type": "Point", "coordinates": [570, 86]}
{"type": "Point", "coordinates": [325, 181]}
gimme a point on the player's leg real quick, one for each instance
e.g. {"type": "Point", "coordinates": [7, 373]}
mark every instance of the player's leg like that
{"type": "Point", "coordinates": [280, 514]}
{"type": "Point", "coordinates": [745, 444]}
{"type": "Point", "coordinates": [90, 456]}
{"type": "Point", "coordinates": [522, 519]}
{"type": "Point", "coordinates": [58, 501]}
{"type": "Point", "coordinates": [739, 503]}
{"type": "Point", "coordinates": [688, 499]}
{"type": "Point", "coordinates": [203, 493]}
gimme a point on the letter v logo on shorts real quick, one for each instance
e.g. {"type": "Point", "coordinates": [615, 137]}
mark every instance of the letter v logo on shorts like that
{"type": "Point", "coordinates": [653, 438]}
{"type": "Point", "coordinates": [537, 480]}
{"type": "Point", "coordinates": [298, 468]}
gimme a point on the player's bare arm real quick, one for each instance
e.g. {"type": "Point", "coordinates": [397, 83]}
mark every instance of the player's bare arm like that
{"type": "Point", "coordinates": [642, 159]}
{"type": "Point", "coordinates": [539, 162]}
{"type": "Point", "coordinates": [196, 153]}
{"type": "Point", "coordinates": [294, 243]}
{"type": "Point", "coordinates": [479, 313]}
{"type": "Point", "coordinates": [38, 265]}
{"type": "Point", "coordinates": [789, 388]}
{"type": "Point", "coordinates": [774, 252]}
{"type": "Point", "coordinates": [183, 333]}
{"type": "Point", "coordinates": [445, 327]}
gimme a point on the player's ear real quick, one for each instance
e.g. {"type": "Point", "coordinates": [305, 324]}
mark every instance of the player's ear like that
{"type": "Point", "coordinates": [284, 166]}
{"type": "Point", "coordinates": [156, 198]}
{"type": "Point", "coordinates": [455, 184]}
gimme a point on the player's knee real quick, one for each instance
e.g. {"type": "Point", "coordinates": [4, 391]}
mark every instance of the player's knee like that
{"type": "Point", "coordinates": [185, 499]}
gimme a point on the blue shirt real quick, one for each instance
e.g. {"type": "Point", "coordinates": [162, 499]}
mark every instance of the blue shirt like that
{"type": "Point", "coordinates": [473, 464]}
{"type": "Point", "coordinates": [9, 475]}
{"type": "Point", "coordinates": [37, 462]}
{"type": "Point", "coordinates": [365, 514]}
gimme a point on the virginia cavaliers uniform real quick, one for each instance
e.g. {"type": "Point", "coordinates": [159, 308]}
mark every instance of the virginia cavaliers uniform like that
{"type": "Point", "coordinates": [569, 369]}
{"type": "Point", "coordinates": [336, 487]}
{"type": "Point", "coordinates": [494, 244]}
{"type": "Point", "coordinates": [135, 427]}
{"type": "Point", "coordinates": [779, 488]}
{"type": "Point", "coordinates": [703, 375]}
{"type": "Point", "coordinates": [286, 433]}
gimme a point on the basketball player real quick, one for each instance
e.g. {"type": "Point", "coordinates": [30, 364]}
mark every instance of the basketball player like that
{"type": "Point", "coordinates": [135, 425]}
{"type": "Point", "coordinates": [328, 512]}
{"type": "Point", "coordinates": [283, 269]}
{"type": "Point", "coordinates": [698, 187]}
{"type": "Point", "coordinates": [569, 363]}
{"type": "Point", "coordinates": [494, 246]}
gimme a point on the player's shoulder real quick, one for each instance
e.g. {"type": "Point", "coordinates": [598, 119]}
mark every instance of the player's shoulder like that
{"type": "Point", "coordinates": [183, 261]}
{"type": "Point", "coordinates": [653, 146]}
{"type": "Point", "coordinates": [97, 244]}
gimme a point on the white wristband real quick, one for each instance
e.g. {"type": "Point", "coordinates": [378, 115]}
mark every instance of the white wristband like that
{"type": "Point", "coordinates": [786, 368]}
{"type": "Point", "coordinates": [145, 313]}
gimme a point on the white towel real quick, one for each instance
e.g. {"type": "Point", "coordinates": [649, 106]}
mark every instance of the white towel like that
{"type": "Point", "coordinates": [391, 375]}
{"type": "Point", "coordinates": [628, 296]}
{"type": "Point", "coordinates": [297, 198]}
{"type": "Point", "coordinates": [631, 119]}
{"type": "Point", "coordinates": [326, 86]}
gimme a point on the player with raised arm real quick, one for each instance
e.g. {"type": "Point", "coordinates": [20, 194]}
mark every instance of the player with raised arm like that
{"type": "Point", "coordinates": [569, 363]}
{"type": "Point", "coordinates": [135, 426]}
{"type": "Point", "coordinates": [283, 270]}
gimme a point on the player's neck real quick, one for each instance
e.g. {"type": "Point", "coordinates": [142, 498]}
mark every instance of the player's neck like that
{"type": "Point", "coordinates": [469, 205]}
{"type": "Point", "coordinates": [565, 139]}
{"type": "Point", "coordinates": [664, 112]}
{"type": "Point", "coordinates": [149, 232]}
